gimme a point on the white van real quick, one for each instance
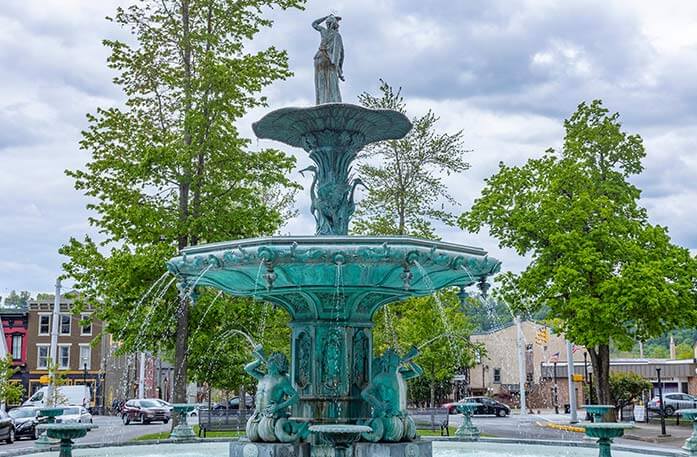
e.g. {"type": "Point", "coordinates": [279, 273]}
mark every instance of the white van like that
{"type": "Point", "coordinates": [70, 395]}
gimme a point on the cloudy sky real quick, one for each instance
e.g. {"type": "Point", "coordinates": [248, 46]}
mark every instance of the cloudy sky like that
{"type": "Point", "coordinates": [506, 72]}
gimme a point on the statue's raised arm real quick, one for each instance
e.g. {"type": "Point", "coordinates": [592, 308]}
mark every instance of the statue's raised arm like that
{"type": "Point", "coordinates": [329, 60]}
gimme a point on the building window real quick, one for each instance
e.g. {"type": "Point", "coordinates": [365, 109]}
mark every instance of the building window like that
{"type": "Point", "coordinates": [44, 324]}
{"type": "Point", "coordinates": [65, 324]}
{"type": "Point", "coordinates": [85, 356]}
{"type": "Point", "coordinates": [42, 356]}
{"type": "Point", "coordinates": [64, 357]}
{"type": "Point", "coordinates": [16, 347]}
{"type": "Point", "coordinates": [497, 375]}
{"type": "Point", "coordinates": [85, 325]}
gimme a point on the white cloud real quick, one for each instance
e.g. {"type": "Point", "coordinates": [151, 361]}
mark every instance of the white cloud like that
{"type": "Point", "coordinates": [507, 73]}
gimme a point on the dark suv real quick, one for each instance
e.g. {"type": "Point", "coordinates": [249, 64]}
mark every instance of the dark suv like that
{"type": "Point", "coordinates": [144, 411]}
{"type": "Point", "coordinates": [486, 406]}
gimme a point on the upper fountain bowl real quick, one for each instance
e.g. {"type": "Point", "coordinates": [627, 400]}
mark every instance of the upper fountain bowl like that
{"type": "Point", "coordinates": [293, 125]}
{"type": "Point", "coordinates": [332, 277]}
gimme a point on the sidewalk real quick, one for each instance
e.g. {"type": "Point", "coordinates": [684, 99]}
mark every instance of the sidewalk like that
{"type": "Point", "coordinates": [647, 433]}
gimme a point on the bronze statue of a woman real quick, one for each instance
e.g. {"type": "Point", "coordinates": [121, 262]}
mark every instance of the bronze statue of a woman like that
{"type": "Point", "coordinates": [329, 61]}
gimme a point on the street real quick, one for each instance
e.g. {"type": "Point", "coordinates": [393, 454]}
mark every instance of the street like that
{"type": "Point", "coordinates": [110, 430]}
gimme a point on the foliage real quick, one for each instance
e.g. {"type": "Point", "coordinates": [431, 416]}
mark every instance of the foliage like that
{"type": "Point", "coordinates": [17, 300]}
{"type": "Point", "coordinates": [56, 397]}
{"type": "Point", "coordinates": [626, 388]}
{"type": "Point", "coordinates": [169, 168]}
{"type": "Point", "coordinates": [601, 268]}
{"type": "Point", "coordinates": [405, 177]}
{"type": "Point", "coordinates": [11, 393]}
{"type": "Point", "coordinates": [445, 348]}
{"type": "Point", "coordinates": [218, 353]}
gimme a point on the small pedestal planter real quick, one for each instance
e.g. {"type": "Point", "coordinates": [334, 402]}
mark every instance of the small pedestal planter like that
{"type": "Point", "coordinates": [605, 432]}
{"type": "Point", "coordinates": [66, 432]}
{"type": "Point", "coordinates": [690, 445]}
{"type": "Point", "coordinates": [50, 414]}
{"type": "Point", "coordinates": [467, 431]}
{"type": "Point", "coordinates": [598, 411]}
{"type": "Point", "coordinates": [183, 431]}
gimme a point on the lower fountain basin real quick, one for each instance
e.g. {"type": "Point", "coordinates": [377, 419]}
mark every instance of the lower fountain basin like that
{"type": "Point", "coordinates": [488, 447]}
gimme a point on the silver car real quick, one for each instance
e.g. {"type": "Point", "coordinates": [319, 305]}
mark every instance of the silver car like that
{"type": "Point", "coordinates": [673, 402]}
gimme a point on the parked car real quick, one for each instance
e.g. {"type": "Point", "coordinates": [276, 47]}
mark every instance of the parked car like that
{"type": "Point", "coordinates": [169, 406]}
{"type": "Point", "coordinates": [234, 403]}
{"type": "Point", "coordinates": [7, 428]}
{"type": "Point", "coordinates": [486, 406]}
{"type": "Point", "coordinates": [673, 402]}
{"type": "Point", "coordinates": [75, 414]}
{"type": "Point", "coordinates": [144, 411]}
{"type": "Point", "coordinates": [25, 420]}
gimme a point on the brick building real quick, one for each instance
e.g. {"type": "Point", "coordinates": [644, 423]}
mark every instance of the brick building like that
{"type": "Point", "coordinates": [79, 354]}
{"type": "Point", "coordinates": [15, 325]}
{"type": "Point", "coordinates": [497, 372]}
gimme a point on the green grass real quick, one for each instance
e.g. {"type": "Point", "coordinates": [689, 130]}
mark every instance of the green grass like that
{"type": "Point", "coordinates": [165, 435]}
{"type": "Point", "coordinates": [429, 432]}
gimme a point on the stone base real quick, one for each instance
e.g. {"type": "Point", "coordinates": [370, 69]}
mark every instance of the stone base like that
{"type": "Point", "coordinates": [182, 432]}
{"type": "Point", "coordinates": [410, 449]}
{"type": "Point", "coordinates": [244, 448]}
{"type": "Point", "coordinates": [362, 449]}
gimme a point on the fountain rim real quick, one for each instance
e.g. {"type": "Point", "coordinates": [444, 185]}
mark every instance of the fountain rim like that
{"type": "Point", "coordinates": [333, 240]}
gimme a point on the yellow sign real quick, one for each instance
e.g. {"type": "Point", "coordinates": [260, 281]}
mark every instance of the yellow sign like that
{"type": "Point", "coordinates": [542, 336]}
{"type": "Point", "coordinates": [577, 377]}
{"type": "Point", "coordinates": [44, 379]}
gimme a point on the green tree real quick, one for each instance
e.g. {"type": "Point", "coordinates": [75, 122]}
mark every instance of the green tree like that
{"type": "Point", "coordinates": [442, 334]}
{"type": "Point", "coordinates": [605, 273]}
{"type": "Point", "coordinates": [405, 177]}
{"type": "Point", "coordinates": [626, 388]}
{"type": "Point", "coordinates": [169, 168]}
{"type": "Point", "coordinates": [10, 392]}
{"type": "Point", "coordinates": [17, 300]}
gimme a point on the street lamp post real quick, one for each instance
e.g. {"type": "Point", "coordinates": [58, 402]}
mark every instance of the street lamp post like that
{"type": "Point", "coordinates": [660, 397]}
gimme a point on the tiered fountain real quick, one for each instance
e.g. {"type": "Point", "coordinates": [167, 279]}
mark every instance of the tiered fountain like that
{"type": "Point", "coordinates": [335, 390]}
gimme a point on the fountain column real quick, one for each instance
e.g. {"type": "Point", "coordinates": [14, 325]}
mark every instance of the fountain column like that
{"type": "Point", "coordinates": [330, 367]}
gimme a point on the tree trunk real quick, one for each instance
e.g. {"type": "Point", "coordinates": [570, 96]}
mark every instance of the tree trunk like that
{"type": "Point", "coordinates": [433, 395]}
{"type": "Point", "coordinates": [600, 361]}
{"type": "Point", "coordinates": [182, 313]}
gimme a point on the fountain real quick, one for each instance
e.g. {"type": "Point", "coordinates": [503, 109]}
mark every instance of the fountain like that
{"type": "Point", "coordinates": [50, 413]}
{"type": "Point", "coordinates": [605, 432]}
{"type": "Point", "coordinates": [690, 445]}
{"type": "Point", "coordinates": [331, 285]}
{"type": "Point", "coordinates": [183, 430]}
{"type": "Point", "coordinates": [467, 431]}
{"type": "Point", "coordinates": [66, 433]}
{"type": "Point", "coordinates": [598, 411]}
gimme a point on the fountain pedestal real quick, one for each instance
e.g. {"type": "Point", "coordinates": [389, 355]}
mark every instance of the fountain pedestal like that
{"type": "Point", "coordinates": [66, 433]}
{"type": "Point", "coordinates": [599, 411]}
{"type": "Point", "coordinates": [605, 432]}
{"type": "Point", "coordinates": [50, 414]}
{"type": "Point", "coordinates": [183, 430]}
{"type": "Point", "coordinates": [467, 431]}
{"type": "Point", "coordinates": [690, 445]}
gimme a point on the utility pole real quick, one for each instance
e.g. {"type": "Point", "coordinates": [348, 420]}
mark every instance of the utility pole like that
{"type": "Point", "coordinates": [141, 376]}
{"type": "Point", "coordinates": [570, 372]}
{"type": "Point", "coordinates": [555, 387]}
{"type": "Point", "coordinates": [521, 366]}
{"type": "Point", "coordinates": [53, 350]}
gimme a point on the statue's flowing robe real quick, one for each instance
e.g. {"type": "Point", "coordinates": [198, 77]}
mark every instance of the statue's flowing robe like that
{"type": "Point", "coordinates": [329, 61]}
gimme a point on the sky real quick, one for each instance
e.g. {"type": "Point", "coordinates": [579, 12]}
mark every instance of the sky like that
{"type": "Point", "coordinates": [506, 72]}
